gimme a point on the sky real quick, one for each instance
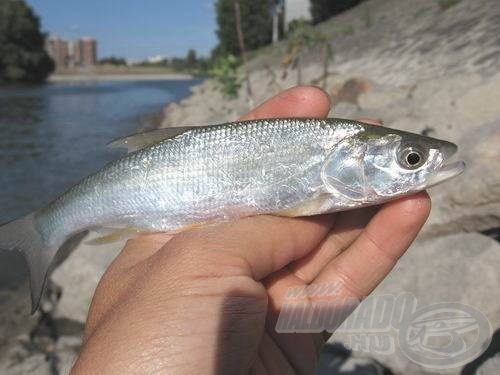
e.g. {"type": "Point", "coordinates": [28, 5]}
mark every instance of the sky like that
{"type": "Point", "coordinates": [133, 29]}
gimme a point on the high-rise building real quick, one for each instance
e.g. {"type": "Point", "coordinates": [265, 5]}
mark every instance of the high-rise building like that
{"type": "Point", "coordinates": [85, 52]}
{"type": "Point", "coordinates": [58, 50]}
{"type": "Point", "coordinates": [82, 52]}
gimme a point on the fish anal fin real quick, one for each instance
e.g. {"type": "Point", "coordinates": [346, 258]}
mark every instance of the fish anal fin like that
{"type": "Point", "coordinates": [142, 140]}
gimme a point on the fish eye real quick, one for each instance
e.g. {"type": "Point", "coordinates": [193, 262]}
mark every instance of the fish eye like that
{"type": "Point", "coordinates": [411, 158]}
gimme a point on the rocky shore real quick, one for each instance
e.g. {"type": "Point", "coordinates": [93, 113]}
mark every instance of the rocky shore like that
{"type": "Point", "coordinates": [420, 67]}
{"type": "Point", "coordinates": [415, 65]}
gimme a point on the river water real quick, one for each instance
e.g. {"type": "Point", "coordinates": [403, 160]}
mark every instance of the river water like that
{"type": "Point", "coordinates": [52, 136]}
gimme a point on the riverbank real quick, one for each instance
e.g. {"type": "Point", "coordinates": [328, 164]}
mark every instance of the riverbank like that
{"type": "Point", "coordinates": [118, 77]}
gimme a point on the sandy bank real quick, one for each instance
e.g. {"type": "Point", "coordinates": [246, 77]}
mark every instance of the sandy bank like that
{"type": "Point", "coordinates": [117, 77]}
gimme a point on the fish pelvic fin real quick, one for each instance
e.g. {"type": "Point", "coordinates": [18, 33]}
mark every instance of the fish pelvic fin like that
{"type": "Point", "coordinates": [317, 205]}
{"type": "Point", "coordinates": [114, 235]}
{"type": "Point", "coordinates": [23, 235]}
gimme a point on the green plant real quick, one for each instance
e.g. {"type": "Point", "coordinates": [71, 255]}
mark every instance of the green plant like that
{"type": "Point", "coordinates": [445, 4]}
{"type": "Point", "coordinates": [256, 25]}
{"type": "Point", "coordinates": [305, 36]}
{"type": "Point", "coordinates": [225, 73]}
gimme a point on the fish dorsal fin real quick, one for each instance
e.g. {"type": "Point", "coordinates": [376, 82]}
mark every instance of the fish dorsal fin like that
{"type": "Point", "coordinates": [142, 140]}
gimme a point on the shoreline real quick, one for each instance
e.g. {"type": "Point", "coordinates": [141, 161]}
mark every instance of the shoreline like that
{"type": "Point", "coordinates": [118, 77]}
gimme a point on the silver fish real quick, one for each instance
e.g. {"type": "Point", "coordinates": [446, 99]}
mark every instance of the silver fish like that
{"type": "Point", "coordinates": [177, 178]}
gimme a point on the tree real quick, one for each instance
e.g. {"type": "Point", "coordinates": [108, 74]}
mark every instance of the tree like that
{"type": "Point", "coordinates": [321, 10]}
{"type": "Point", "coordinates": [191, 60]}
{"type": "Point", "coordinates": [113, 60]}
{"type": "Point", "coordinates": [256, 24]}
{"type": "Point", "coordinates": [22, 54]}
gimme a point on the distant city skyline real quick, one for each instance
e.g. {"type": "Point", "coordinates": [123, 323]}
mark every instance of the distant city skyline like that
{"type": "Point", "coordinates": [132, 29]}
{"type": "Point", "coordinates": [72, 53]}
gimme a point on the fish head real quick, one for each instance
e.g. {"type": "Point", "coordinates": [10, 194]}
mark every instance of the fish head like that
{"type": "Point", "coordinates": [381, 163]}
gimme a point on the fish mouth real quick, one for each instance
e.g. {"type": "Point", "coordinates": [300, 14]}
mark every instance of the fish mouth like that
{"type": "Point", "coordinates": [447, 170]}
{"type": "Point", "coordinates": [448, 149]}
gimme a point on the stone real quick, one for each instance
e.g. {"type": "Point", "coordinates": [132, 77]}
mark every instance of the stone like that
{"type": "Point", "coordinates": [79, 275]}
{"type": "Point", "coordinates": [461, 268]}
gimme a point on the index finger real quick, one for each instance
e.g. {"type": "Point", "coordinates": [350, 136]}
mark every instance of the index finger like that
{"type": "Point", "coordinates": [299, 101]}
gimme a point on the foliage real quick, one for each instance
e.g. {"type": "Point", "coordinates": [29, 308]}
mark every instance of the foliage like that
{"type": "Point", "coordinates": [113, 60]}
{"type": "Point", "coordinates": [22, 54]}
{"type": "Point", "coordinates": [191, 60]}
{"type": "Point", "coordinates": [445, 4]}
{"type": "Point", "coordinates": [256, 24]}
{"type": "Point", "coordinates": [225, 73]}
{"type": "Point", "coordinates": [321, 10]}
{"type": "Point", "coordinates": [304, 36]}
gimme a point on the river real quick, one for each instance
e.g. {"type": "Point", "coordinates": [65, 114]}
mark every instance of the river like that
{"type": "Point", "coordinates": [53, 135]}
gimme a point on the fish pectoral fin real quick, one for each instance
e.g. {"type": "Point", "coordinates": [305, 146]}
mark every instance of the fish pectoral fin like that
{"type": "Point", "coordinates": [310, 207]}
{"type": "Point", "coordinates": [142, 140]}
{"type": "Point", "coordinates": [114, 235]}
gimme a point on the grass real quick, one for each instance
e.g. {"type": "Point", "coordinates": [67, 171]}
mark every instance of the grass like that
{"type": "Point", "coordinates": [446, 4]}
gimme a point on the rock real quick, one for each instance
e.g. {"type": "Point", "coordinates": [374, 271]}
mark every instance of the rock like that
{"type": "Point", "coordinates": [36, 364]}
{"type": "Point", "coordinates": [459, 268]}
{"type": "Point", "coordinates": [79, 275]}
{"type": "Point", "coordinates": [350, 91]}
{"type": "Point", "coordinates": [335, 359]}
{"type": "Point", "coordinates": [472, 203]}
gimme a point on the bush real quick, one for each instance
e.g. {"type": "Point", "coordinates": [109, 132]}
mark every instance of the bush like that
{"type": "Point", "coordinates": [113, 60]}
{"type": "Point", "coordinates": [225, 73]}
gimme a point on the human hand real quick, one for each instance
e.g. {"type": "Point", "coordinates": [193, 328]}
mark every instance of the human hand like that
{"type": "Point", "coordinates": [207, 300]}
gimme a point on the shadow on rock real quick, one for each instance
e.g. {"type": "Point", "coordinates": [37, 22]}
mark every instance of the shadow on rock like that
{"type": "Point", "coordinates": [489, 359]}
{"type": "Point", "coordinates": [337, 359]}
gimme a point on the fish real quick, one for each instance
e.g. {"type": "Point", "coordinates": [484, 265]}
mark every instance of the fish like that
{"type": "Point", "coordinates": [174, 179]}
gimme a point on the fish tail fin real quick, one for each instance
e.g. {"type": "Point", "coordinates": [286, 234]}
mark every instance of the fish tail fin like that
{"type": "Point", "coordinates": [22, 235]}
